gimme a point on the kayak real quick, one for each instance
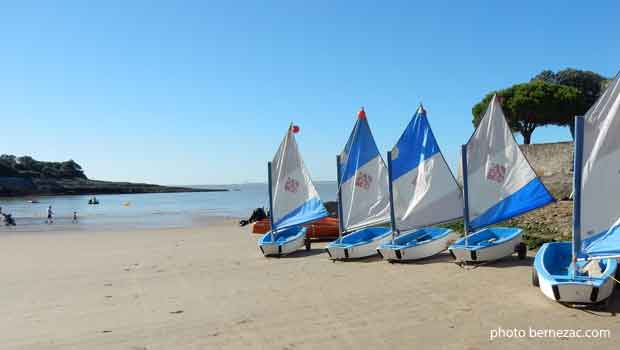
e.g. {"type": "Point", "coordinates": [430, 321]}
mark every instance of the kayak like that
{"type": "Point", "coordinates": [326, 228]}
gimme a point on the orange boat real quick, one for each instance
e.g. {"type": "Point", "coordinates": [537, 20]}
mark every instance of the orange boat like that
{"type": "Point", "coordinates": [326, 228]}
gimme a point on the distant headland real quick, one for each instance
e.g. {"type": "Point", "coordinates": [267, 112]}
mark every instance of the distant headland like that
{"type": "Point", "coordinates": [25, 176]}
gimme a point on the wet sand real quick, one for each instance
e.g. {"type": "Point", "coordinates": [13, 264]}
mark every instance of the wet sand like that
{"type": "Point", "coordinates": [210, 288]}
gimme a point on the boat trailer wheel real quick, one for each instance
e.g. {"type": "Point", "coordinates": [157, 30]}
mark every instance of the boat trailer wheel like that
{"type": "Point", "coordinates": [521, 250]}
{"type": "Point", "coordinates": [535, 281]}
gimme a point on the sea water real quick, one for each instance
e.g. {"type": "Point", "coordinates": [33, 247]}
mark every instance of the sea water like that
{"type": "Point", "coordinates": [141, 211]}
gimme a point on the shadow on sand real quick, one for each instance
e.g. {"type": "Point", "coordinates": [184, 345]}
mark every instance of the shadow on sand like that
{"type": "Point", "coordinates": [369, 259]}
{"type": "Point", "coordinates": [301, 253]}
{"type": "Point", "coordinates": [606, 308]}
{"type": "Point", "coordinates": [509, 261]}
{"type": "Point", "coordinates": [440, 258]}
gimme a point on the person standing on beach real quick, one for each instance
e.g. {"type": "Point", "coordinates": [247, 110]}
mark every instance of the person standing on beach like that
{"type": "Point", "coordinates": [50, 215]}
{"type": "Point", "coordinates": [75, 221]}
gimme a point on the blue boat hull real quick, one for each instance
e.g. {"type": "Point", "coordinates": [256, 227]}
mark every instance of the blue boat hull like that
{"type": "Point", "coordinates": [417, 244]}
{"type": "Point", "coordinates": [489, 244]}
{"type": "Point", "coordinates": [552, 272]}
{"type": "Point", "coordinates": [359, 244]}
{"type": "Point", "coordinates": [284, 241]}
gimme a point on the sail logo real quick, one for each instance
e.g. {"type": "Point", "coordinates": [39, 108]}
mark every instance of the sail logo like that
{"type": "Point", "coordinates": [363, 180]}
{"type": "Point", "coordinates": [291, 185]}
{"type": "Point", "coordinates": [496, 173]}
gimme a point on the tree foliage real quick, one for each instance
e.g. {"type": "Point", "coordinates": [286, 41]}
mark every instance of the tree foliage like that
{"type": "Point", "coordinates": [27, 166]}
{"type": "Point", "coordinates": [589, 84]}
{"type": "Point", "coordinates": [534, 104]}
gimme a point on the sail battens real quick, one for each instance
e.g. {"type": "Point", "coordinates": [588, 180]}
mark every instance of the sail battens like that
{"type": "Point", "coordinates": [425, 191]}
{"type": "Point", "coordinates": [501, 181]}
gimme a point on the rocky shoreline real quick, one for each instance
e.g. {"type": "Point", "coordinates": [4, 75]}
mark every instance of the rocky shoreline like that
{"type": "Point", "coordinates": [21, 186]}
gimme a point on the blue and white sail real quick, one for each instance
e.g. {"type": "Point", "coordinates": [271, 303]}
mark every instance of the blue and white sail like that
{"type": "Point", "coordinates": [424, 189]}
{"type": "Point", "coordinates": [600, 186]}
{"type": "Point", "coordinates": [501, 182]}
{"type": "Point", "coordinates": [364, 180]}
{"type": "Point", "coordinates": [295, 200]}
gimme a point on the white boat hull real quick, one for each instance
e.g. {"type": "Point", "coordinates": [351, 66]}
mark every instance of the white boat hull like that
{"type": "Point", "coordinates": [493, 251]}
{"type": "Point", "coordinates": [576, 293]}
{"type": "Point", "coordinates": [556, 283]}
{"type": "Point", "coordinates": [338, 251]}
{"type": "Point", "coordinates": [282, 248]}
{"type": "Point", "coordinates": [416, 252]}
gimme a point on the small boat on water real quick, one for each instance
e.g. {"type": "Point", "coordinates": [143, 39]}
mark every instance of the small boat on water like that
{"type": "Point", "coordinates": [423, 192]}
{"type": "Point", "coordinates": [293, 200]}
{"type": "Point", "coordinates": [582, 271]}
{"type": "Point", "coordinates": [498, 184]}
{"type": "Point", "coordinates": [362, 196]}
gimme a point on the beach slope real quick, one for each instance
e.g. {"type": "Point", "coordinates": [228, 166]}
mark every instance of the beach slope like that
{"type": "Point", "coordinates": [210, 288]}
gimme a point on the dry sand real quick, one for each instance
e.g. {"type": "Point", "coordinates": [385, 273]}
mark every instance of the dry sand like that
{"type": "Point", "coordinates": [210, 288]}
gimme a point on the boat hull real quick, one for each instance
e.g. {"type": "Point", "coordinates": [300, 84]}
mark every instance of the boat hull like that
{"type": "Point", "coordinates": [551, 267]}
{"type": "Point", "coordinates": [487, 244]}
{"type": "Point", "coordinates": [286, 241]}
{"type": "Point", "coordinates": [359, 244]}
{"type": "Point", "coordinates": [417, 244]}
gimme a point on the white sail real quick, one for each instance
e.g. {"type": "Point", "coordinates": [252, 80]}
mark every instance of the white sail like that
{"type": "Point", "coordinates": [295, 200]}
{"type": "Point", "coordinates": [364, 180]}
{"type": "Point", "coordinates": [600, 187]}
{"type": "Point", "coordinates": [501, 182]}
{"type": "Point", "coordinates": [424, 189]}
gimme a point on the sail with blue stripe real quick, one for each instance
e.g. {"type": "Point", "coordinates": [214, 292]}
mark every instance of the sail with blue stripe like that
{"type": "Point", "coordinates": [600, 186]}
{"type": "Point", "coordinates": [364, 180]}
{"type": "Point", "coordinates": [501, 182]}
{"type": "Point", "coordinates": [295, 200]}
{"type": "Point", "coordinates": [424, 189]}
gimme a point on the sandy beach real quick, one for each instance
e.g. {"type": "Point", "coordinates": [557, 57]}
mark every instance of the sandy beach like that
{"type": "Point", "coordinates": [210, 288]}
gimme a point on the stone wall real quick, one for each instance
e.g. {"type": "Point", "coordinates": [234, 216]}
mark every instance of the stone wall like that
{"type": "Point", "coordinates": [553, 162]}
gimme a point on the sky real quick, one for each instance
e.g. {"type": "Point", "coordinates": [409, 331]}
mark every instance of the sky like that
{"type": "Point", "coordinates": [202, 92]}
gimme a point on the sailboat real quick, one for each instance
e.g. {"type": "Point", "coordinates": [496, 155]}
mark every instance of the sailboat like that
{"type": "Point", "coordinates": [423, 192]}
{"type": "Point", "coordinates": [362, 196]}
{"type": "Point", "coordinates": [502, 184]}
{"type": "Point", "coordinates": [582, 271]}
{"type": "Point", "coordinates": [293, 200]}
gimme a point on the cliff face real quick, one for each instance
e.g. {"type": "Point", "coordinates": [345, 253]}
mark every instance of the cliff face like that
{"type": "Point", "coordinates": [23, 176]}
{"type": "Point", "coordinates": [553, 162]}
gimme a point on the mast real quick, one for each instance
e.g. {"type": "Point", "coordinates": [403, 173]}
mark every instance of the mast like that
{"type": "Point", "coordinates": [391, 193]}
{"type": "Point", "coordinates": [578, 167]}
{"type": "Point", "coordinates": [340, 218]}
{"type": "Point", "coordinates": [465, 192]}
{"type": "Point", "coordinates": [270, 199]}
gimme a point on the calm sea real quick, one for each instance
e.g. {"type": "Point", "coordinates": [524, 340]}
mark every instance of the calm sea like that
{"type": "Point", "coordinates": [128, 211]}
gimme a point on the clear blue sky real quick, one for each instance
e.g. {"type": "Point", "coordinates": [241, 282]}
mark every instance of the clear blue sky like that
{"type": "Point", "coordinates": [182, 92]}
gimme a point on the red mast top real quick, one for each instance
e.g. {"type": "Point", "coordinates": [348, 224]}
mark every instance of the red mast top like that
{"type": "Point", "coordinates": [361, 114]}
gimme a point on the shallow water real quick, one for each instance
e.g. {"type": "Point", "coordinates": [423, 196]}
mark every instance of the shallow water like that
{"type": "Point", "coordinates": [141, 211]}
